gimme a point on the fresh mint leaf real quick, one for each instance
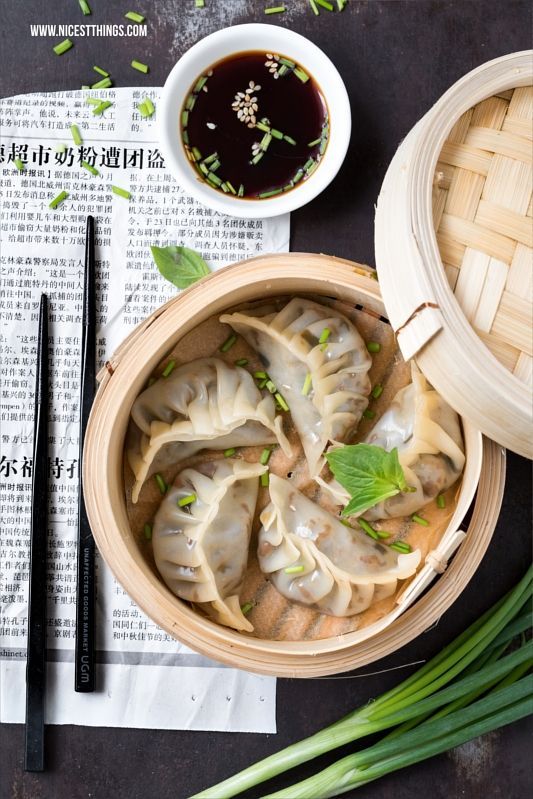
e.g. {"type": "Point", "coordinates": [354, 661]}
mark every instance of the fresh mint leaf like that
{"type": "Point", "coordinates": [181, 265]}
{"type": "Point", "coordinates": [369, 474]}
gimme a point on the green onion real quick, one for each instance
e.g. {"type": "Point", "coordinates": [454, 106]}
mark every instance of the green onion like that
{"type": "Point", "coordinates": [99, 110]}
{"type": "Point", "coordinates": [197, 154]}
{"type": "Point", "coordinates": [105, 83]}
{"type": "Point", "coordinates": [262, 383]}
{"type": "Point", "coordinates": [377, 391]}
{"type": "Point", "coordinates": [308, 382]}
{"type": "Point", "coordinates": [271, 193]}
{"type": "Point", "coordinates": [283, 70]}
{"type": "Point", "coordinates": [265, 141]}
{"type": "Point", "coordinates": [90, 168]}
{"type": "Point", "coordinates": [240, 193]}
{"type": "Point", "coordinates": [341, 4]}
{"type": "Point", "coordinates": [271, 386]}
{"type": "Point", "coordinates": [441, 501]}
{"type": "Point", "coordinates": [287, 62]}
{"type": "Point", "coordinates": [190, 102]}
{"type": "Point", "coordinates": [200, 83]}
{"type": "Point", "coordinates": [148, 532]}
{"type": "Point", "coordinates": [228, 344]}
{"type": "Point", "coordinates": [400, 546]}
{"type": "Point", "coordinates": [230, 187]}
{"type": "Point", "coordinates": [214, 179]}
{"type": "Point", "coordinates": [246, 608]}
{"type": "Point", "coordinates": [298, 176]}
{"type": "Point", "coordinates": [168, 368]}
{"type": "Point", "coordinates": [19, 164]}
{"type": "Point", "coordinates": [138, 18]}
{"type": "Point", "coordinates": [76, 136]}
{"type": "Point", "coordinates": [229, 453]}
{"type": "Point", "coordinates": [265, 456]}
{"type": "Point", "coordinates": [383, 534]}
{"type": "Point", "coordinates": [324, 4]}
{"type": "Point", "coordinates": [93, 101]}
{"type": "Point", "coordinates": [58, 200]}
{"type": "Point", "coordinates": [373, 346]}
{"type": "Point", "coordinates": [324, 337]}
{"type": "Point", "coordinates": [149, 105]}
{"type": "Point", "coordinates": [85, 7]}
{"type": "Point", "coordinates": [142, 108]}
{"type": "Point", "coordinates": [211, 158]}
{"type": "Point", "coordinates": [215, 165]}
{"type": "Point", "coordinates": [420, 520]}
{"type": "Point", "coordinates": [85, 86]}
{"type": "Point", "coordinates": [313, 5]}
{"type": "Point", "coordinates": [276, 133]}
{"type": "Point", "coordinates": [188, 500]}
{"type": "Point", "coordinates": [440, 683]}
{"type": "Point", "coordinates": [264, 479]}
{"type": "Point", "coordinates": [308, 164]}
{"type": "Point", "coordinates": [184, 118]}
{"type": "Point", "coordinates": [289, 139]}
{"type": "Point", "coordinates": [260, 375]}
{"type": "Point", "coordinates": [294, 569]}
{"type": "Point", "coordinates": [369, 530]}
{"type": "Point", "coordinates": [160, 483]}
{"type": "Point", "coordinates": [281, 401]}
{"type": "Point", "coordinates": [101, 72]}
{"type": "Point", "coordinates": [241, 362]}
{"type": "Point", "coordinates": [61, 148]}
{"type": "Point", "coordinates": [312, 168]}
{"type": "Point", "coordinates": [63, 46]}
{"type": "Point", "coordinates": [121, 192]}
{"type": "Point", "coordinates": [262, 126]}
{"type": "Point", "coordinates": [275, 10]}
{"type": "Point", "coordinates": [140, 67]}
{"type": "Point", "coordinates": [313, 143]}
{"type": "Point", "coordinates": [257, 157]}
{"type": "Point", "coordinates": [301, 75]}
{"type": "Point", "coordinates": [199, 3]}
{"type": "Point", "coordinates": [368, 414]}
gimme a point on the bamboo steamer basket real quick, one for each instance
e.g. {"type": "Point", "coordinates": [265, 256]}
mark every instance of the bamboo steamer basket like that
{"type": "Point", "coordinates": [453, 239]}
{"type": "Point", "coordinates": [126, 374]}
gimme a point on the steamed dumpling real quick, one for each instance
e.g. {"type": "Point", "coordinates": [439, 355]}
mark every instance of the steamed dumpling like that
{"type": "Point", "coordinates": [206, 403]}
{"type": "Point", "coordinates": [331, 568]}
{"type": "Point", "coordinates": [201, 549]}
{"type": "Point", "coordinates": [427, 434]}
{"type": "Point", "coordinates": [335, 372]}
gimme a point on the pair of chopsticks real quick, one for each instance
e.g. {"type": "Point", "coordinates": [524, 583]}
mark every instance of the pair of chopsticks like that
{"type": "Point", "coordinates": [85, 610]}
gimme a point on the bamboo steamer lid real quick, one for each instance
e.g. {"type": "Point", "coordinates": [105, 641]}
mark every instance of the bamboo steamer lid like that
{"type": "Point", "coordinates": [453, 239]}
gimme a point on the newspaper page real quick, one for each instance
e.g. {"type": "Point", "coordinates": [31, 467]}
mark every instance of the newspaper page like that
{"type": "Point", "coordinates": [145, 677]}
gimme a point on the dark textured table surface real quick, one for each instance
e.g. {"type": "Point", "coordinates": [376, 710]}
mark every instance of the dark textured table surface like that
{"type": "Point", "coordinates": [396, 58]}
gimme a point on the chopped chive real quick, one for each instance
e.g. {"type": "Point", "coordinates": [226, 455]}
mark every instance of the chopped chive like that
{"type": "Point", "coordinates": [441, 501]}
{"type": "Point", "coordinates": [185, 137]}
{"type": "Point", "coordinates": [289, 139]}
{"type": "Point", "coordinates": [271, 193]}
{"type": "Point", "coordinates": [241, 362]}
{"type": "Point", "coordinates": [230, 187]}
{"type": "Point", "coordinates": [214, 179]}
{"type": "Point", "coordinates": [228, 453]}
{"type": "Point", "coordinates": [260, 375]}
{"type": "Point", "coordinates": [149, 104]}
{"type": "Point", "coordinates": [188, 500]}
{"type": "Point", "coordinates": [200, 83]}
{"type": "Point", "coordinates": [90, 168]}
{"type": "Point", "coordinates": [341, 4]}
{"type": "Point", "coordinates": [184, 118]}
{"type": "Point", "coordinates": [197, 154]}
{"type": "Point", "coordinates": [99, 110]}
{"type": "Point", "coordinates": [276, 133]}
{"type": "Point", "coordinates": [323, 145]}
{"type": "Point", "coordinates": [294, 569]}
{"type": "Point", "coordinates": [368, 414]}
{"type": "Point", "coordinates": [63, 46]}
{"type": "Point", "coordinates": [105, 83]}
{"type": "Point", "coordinates": [85, 86]}
{"type": "Point", "coordinates": [138, 18]}
{"type": "Point", "coordinates": [140, 67]}
{"type": "Point", "coordinates": [368, 529]}
{"type": "Point", "coordinates": [58, 200]}
{"type": "Point", "coordinates": [61, 148]}
{"type": "Point", "coordinates": [240, 193]}
{"type": "Point", "coordinates": [409, 490]}
{"type": "Point", "coordinates": [324, 337]}
{"type": "Point", "coordinates": [282, 401]}
{"type": "Point", "coordinates": [211, 182]}
{"type": "Point", "coordinates": [325, 4]}
{"type": "Point", "coordinates": [143, 110]}
{"type": "Point", "coordinates": [287, 62]}
{"type": "Point", "coordinates": [262, 383]}
{"type": "Point", "coordinates": [265, 141]}
{"type": "Point", "coordinates": [373, 346]}
{"type": "Point", "coordinates": [85, 7]}
{"type": "Point", "coordinates": [76, 136]}
{"type": "Point", "coordinates": [224, 187]}
{"type": "Point", "coordinates": [308, 164]}
{"type": "Point", "coordinates": [313, 5]}
{"type": "Point", "coordinates": [314, 143]}
{"type": "Point", "coordinates": [298, 176]}
{"type": "Point", "coordinates": [210, 158]}
{"type": "Point", "coordinates": [282, 70]}
{"type": "Point", "coordinates": [303, 76]}
{"type": "Point", "coordinates": [265, 456]}
{"type": "Point", "coordinates": [308, 382]}
{"type": "Point", "coordinates": [246, 608]}
{"type": "Point", "coordinates": [377, 391]}
{"type": "Point", "coordinates": [383, 534]}
{"type": "Point", "coordinates": [203, 168]}
{"type": "Point", "coordinates": [148, 532]}
{"type": "Point", "coordinates": [101, 72]}
{"type": "Point", "coordinates": [265, 480]}
{"type": "Point", "coordinates": [275, 10]}
{"type": "Point", "coordinates": [401, 547]}
{"type": "Point", "coordinates": [261, 126]}
{"type": "Point", "coordinates": [312, 168]}
{"type": "Point", "coordinates": [255, 160]}
{"type": "Point", "coordinates": [215, 165]}
{"type": "Point", "coordinates": [19, 164]}
{"type": "Point", "coordinates": [160, 483]}
{"type": "Point", "coordinates": [200, 4]}
{"type": "Point", "coordinates": [420, 520]}
{"type": "Point", "coordinates": [121, 192]}
{"type": "Point", "coordinates": [190, 102]}
{"type": "Point", "coordinates": [228, 344]}
{"type": "Point", "coordinates": [271, 386]}
{"type": "Point", "coordinates": [168, 368]}
{"type": "Point", "coordinates": [93, 101]}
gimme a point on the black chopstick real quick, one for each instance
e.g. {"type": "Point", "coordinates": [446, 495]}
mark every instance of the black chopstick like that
{"type": "Point", "coordinates": [36, 657]}
{"type": "Point", "coordinates": [84, 656]}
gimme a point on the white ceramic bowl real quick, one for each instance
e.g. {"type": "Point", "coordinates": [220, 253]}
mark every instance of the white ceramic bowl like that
{"type": "Point", "coordinates": [242, 38]}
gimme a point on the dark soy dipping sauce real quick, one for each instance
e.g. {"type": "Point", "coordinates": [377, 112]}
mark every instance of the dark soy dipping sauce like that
{"type": "Point", "coordinates": [291, 105]}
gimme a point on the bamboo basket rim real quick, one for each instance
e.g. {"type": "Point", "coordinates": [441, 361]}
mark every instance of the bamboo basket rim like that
{"type": "Point", "coordinates": [422, 307]}
{"type": "Point", "coordinates": [228, 646]}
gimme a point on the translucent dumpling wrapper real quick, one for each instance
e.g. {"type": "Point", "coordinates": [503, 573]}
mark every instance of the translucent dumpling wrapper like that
{"type": "Point", "coordinates": [315, 560]}
{"type": "Point", "coordinates": [201, 548]}
{"type": "Point", "coordinates": [319, 363]}
{"type": "Point", "coordinates": [427, 433]}
{"type": "Point", "coordinates": [206, 403]}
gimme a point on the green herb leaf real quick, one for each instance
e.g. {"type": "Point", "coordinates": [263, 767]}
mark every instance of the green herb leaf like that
{"type": "Point", "coordinates": [180, 265]}
{"type": "Point", "coordinates": [370, 474]}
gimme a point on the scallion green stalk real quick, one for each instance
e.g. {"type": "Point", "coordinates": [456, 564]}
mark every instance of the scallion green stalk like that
{"type": "Point", "coordinates": [138, 18]}
{"type": "Point", "coordinates": [105, 83]}
{"type": "Point", "coordinates": [275, 10]}
{"type": "Point", "coordinates": [90, 168]}
{"type": "Point", "coordinates": [58, 200]}
{"type": "Point", "coordinates": [140, 67]}
{"type": "Point", "coordinates": [19, 164]}
{"type": "Point", "coordinates": [228, 344]}
{"type": "Point", "coordinates": [101, 72]}
{"type": "Point", "coordinates": [63, 46]}
{"type": "Point", "coordinates": [76, 135]}
{"type": "Point", "coordinates": [121, 192]}
{"type": "Point", "coordinates": [85, 7]}
{"type": "Point", "coordinates": [188, 500]}
{"type": "Point", "coordinates": [168, 368]}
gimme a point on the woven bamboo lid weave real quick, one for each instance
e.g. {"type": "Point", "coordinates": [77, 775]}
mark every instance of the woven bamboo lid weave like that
{"type": "Point", "coordinates": [454, 237]}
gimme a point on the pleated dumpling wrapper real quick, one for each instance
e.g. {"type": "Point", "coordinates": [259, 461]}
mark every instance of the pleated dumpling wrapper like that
{"type": "Point", "coordinates": [201, 547]}
{"type": "Point", "coordinates": [427, 433]}
{"type": "Point", "coordinates": [319, 363]}
{"type": "Point", "coordinates": [315, 560]}
{"type": "Point", "coordinates": [206, 403]}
